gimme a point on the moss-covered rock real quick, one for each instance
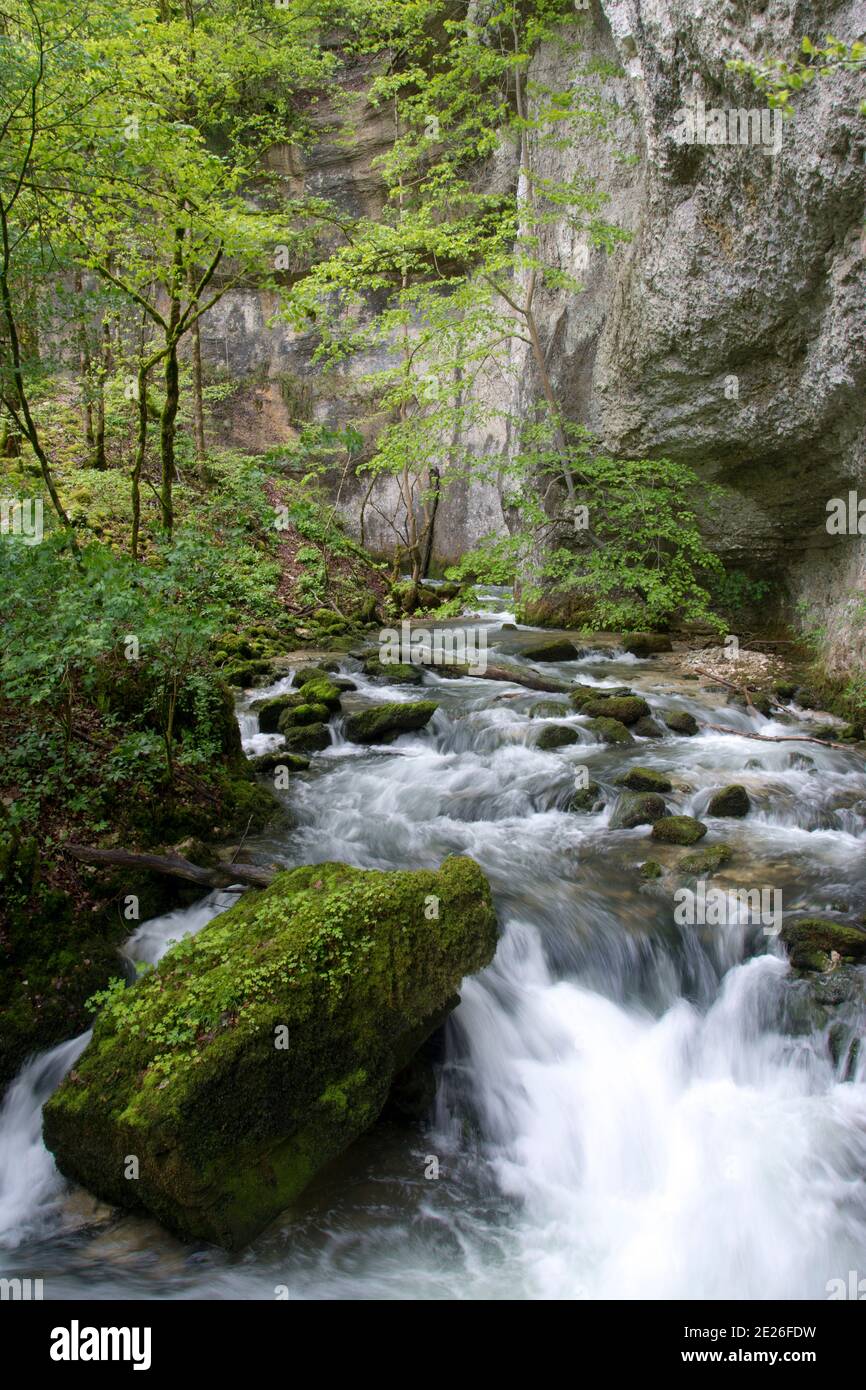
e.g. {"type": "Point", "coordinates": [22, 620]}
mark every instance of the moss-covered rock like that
{"type": "Point", "coordinates": [650, 869]}
{"type": "Point", "coordinates": [609, 731]}
{"type": "Point", "coordinates": [679, 721]}
{"type": "Point", "coordinates": [260, 1048]}
{"type": "Point", "coordinates": [321, 692]}
{"type": "Point", "coordinates": [556, 649]}
{"type": "Point", "coordinates": [395, 672]}
{"type": "Point", "coordinates": [246, 674]}
{"type": "Point", "coordinates": [707, 861]}
{"type": "Point", "coordinates": [579, 695]}
{"type": "Point", "coordinates": [732, 800]}
{"type": "Point", "coordinates": [588, 798]}
{"type": "Point", "coordinates": [646, 643]}
{"type": "Point", "coordinates": [644, 779]}
{"type": "Point", "coordinates": [269, 711]}
{"type": "Point", "coordinates": [647, 727]}
{"type": "Point", "coordinates": [548, 709]}
{"type": "Point", "coordinates": [811, 940]}
{"type": "Point", "coordinates": [679, 830]}
{"type": "Point", "coordinates": [324, 671]}
{"type": "Point", "coordinates": [637, 808]}
{"type": "Point", "coordinates": [628, 709]}
{"type": "Point", "coordinates": [554, 736]}
{"type": "Point", "coordinates": [382, 723]}
{"type": "Point", "coordinates": [298, 715]}
{"type": "Point", "coordinates": [307, 738]}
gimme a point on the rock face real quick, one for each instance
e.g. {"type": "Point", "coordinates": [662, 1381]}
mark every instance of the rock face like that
{"type": "Point", "coordinates": [728, 333]}
{"type": "Point", "coordinates": [259, 1049]}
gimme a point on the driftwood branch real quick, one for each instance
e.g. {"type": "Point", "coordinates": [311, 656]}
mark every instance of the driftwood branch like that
{"type": "Point", "coordinates": [720, 680]}
{"type": "Point", "coordinates": [779, 738]}
{"type": "Point", "coordinates": [221, 876]}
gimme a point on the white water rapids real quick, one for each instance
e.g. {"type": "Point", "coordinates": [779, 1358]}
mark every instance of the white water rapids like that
{"type": "Point", "coordinates": [626, 1108]}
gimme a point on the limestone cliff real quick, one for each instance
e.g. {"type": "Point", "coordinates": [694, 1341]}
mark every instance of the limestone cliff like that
{"type": "Point", "coordinates": [729, 332]}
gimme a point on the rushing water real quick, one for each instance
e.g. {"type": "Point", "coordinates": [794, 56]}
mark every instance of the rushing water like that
{"type": "Point", "coordinates": [627, 1108]}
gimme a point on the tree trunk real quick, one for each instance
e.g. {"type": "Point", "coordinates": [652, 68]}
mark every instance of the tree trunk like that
{"type": "Point", "coordinates": [197, 392]}
{"type": "Point", "coordinates": [167, 425]}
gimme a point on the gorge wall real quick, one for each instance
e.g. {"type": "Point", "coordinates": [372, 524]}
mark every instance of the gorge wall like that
{"type": "Point", "coordinates": [728, 333]}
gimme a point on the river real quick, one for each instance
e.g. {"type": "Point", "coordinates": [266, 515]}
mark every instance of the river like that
{"type": "Point", "coordinates": [626, 1108]}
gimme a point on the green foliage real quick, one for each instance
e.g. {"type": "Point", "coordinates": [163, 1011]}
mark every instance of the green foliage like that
{"type": "Point", "coordinates": [783, 78]}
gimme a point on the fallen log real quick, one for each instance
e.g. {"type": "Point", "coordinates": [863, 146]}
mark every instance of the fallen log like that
{"type": "Point", "coordinates": [780, 738]}
{"type": "Point", "coordinates": [220, 876]}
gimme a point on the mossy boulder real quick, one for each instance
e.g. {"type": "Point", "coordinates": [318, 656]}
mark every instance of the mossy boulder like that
{"type": "Point", "coordinates": [246, 674]}
{"type": "Point", "coordinates": [382, 723]}
{"type": "Point", "coordinates": [644, 779]}
{"type": "Point", "coordinates": [628, 709]}
{"type": "Point", "coordinates": [679, 830]}
{"type": "Point", "coordinates": [650, 869]}
{"type": "Point", "coordinates": [609, 731]}
{"type": "Point", "coordinates": [588, 798]}
{"type": "Point", "coordinates": [679, 721]}
{"type": "Point", "coordinates": [269, 711]}
{"type": "Point", "coordinates": [324, 671]}
{"type": "Point", "coordinates": [307, 738]}
{"type": "Point", "coordinates": [730, 801]}
{"type": "Point", "coordinates": [557, 649]}
{"type": "Point", "coordinates": [647, 727]}
{"type": "Point", "coordinates": [579, 695]}
{"type": "Point", "coordinates": [556, 736]}
{"type": "Point", "coordinates": [298, 715]}
{"type": "Point", "coordinates": [707, 861]}
{"type": "Point", "coordinates": [646, 643]}
{"type": "Point", "coordinates": [637, 808]}
{"type": "Point", "coordinates": [812, 940]}
{"type": "Point", "coordinates": [321, 691]}
{"type": "Point", "coordinates": [259, 1049]}
{"type": "Point", "coordinates": [548, 709]}
{"type": "Point", "coordinates": [395, 672]}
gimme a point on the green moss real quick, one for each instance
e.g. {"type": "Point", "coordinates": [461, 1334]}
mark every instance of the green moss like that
{"type": "Point", "coordinates": [321, 692]}
{"type": "Point", "coordinates": [554, 736]}
{"type": "Point", "coordinates": [396, 673]}
{"type": "Point", "coordinates": [183, 1070]}
{"type": "Point", "coordinates": [588, 798]}
{"type": "Point", "coordinates": [381, 723]}
{"type": "Point", "coordinates": [679, 721]}
{"type": "Point", "coordinates": [644, 779]}
{"type": "Point", "coordinates": [651, 869]}
{"type": "Point", "coordinates": [548, 709]}
{"type": "Point", "coordinates": [811, 940]}
{"type": "Point", "coordinates": [707, 861]}
{"type": "Point", "coordinates": [637, 808]}
{"type": "Point", "coordinates": [730, 801]}
{"type": "Point", "coordinates": [609, 731]}
{"type": "Point", "coordinates": [628, 709]}
{"type": "Point", "coordinates": [307, 738]}
{"type": "Point", "coordinates": [679, 830]}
